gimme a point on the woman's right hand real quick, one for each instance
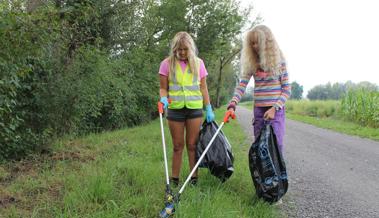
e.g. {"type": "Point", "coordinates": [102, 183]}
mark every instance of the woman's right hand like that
{"type": "Point", "coordinates": [164, 101]}
{"type": "Point", "coordinates": [229, 113]}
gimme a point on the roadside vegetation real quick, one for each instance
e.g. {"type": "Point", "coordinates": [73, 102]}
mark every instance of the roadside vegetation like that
{"type": "Point", "coordinates": [121, 174]}
{"type": "Point", "coordinates": [75, 67]}
{"type": "Point", "coordinates": [357, 113]}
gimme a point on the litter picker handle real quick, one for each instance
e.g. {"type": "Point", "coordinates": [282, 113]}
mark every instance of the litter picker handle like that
{"type": "Point", "coordinates": [160, 106]}
{"type": "Point", "coordinates": [229, 114]}
{"type": "Point", "coordinates": [161, 109]}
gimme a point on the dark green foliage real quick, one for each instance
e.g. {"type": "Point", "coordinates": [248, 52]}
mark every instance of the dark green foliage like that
{"type": "Point", "coordinates": [80, 66]}
{"type": "Point", "coordinates": [217, 26]}
{"type": "Point", "coordinates": [24, 68]}
{"type": "Point", "coordinates": [296, 91]}
{"type": "Point", "coordinates": [88, 96]}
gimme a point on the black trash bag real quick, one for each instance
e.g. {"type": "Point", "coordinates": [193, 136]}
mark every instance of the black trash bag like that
{"type": "Point", "coordinates": [219, 158]}
{"type": "Point", "coordinates": [267, 166]}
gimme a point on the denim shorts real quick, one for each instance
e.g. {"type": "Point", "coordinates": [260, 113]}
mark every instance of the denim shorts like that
{"type": "Point", "coordinates": [183, 114]}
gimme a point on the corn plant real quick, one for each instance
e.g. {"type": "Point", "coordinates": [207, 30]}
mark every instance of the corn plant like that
{"type": "Point", "coordinates": [361, 106]}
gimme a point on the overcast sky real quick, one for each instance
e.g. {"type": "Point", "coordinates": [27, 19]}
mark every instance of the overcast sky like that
{"type": "Point", "coordinates": [325, 40]}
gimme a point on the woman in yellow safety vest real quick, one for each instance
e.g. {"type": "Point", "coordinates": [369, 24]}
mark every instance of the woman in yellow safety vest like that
{"type": "Point", "coordinates": [183, 81]}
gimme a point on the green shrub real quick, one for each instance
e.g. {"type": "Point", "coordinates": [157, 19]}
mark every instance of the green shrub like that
{"type": "Point", "coordinates": [56, 82]}
{"type": "Point", "coordinates": [23, 38]}
{"type": "Point", "coordinates": [98, 94]}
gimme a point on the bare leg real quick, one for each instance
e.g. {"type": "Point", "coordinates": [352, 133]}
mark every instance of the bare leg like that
{"type": "Point", "coordinates": [177, 134]}
{"type": "Point", "coordinates": [192, 134]}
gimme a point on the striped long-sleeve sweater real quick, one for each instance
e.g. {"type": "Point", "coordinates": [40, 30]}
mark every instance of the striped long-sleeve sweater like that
{"type": "Point", "coordinates": [269, 90]}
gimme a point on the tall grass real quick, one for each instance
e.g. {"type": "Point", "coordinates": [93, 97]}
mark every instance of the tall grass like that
{"type": "Point", "coordinates": [337, 116]}
{"type": "Point", "coordinates": [123, 176]}
{"type": "Point", "coordinates": [317, 108]}
{"type": "Point", "coordinates": [321, 109]}
{"type": "Point", "coordinates": [361, 106]}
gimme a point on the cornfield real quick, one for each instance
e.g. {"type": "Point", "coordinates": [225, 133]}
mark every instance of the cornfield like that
{"type": "Point", "coordinates": [361, 106]}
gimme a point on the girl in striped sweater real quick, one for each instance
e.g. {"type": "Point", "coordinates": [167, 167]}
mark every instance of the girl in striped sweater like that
{"type": "Point", "coordinates": [262, 60]}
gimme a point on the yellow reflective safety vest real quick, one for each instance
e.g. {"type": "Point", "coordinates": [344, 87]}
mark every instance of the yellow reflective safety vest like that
{"type": "Point", "coordinates": [184, 88]}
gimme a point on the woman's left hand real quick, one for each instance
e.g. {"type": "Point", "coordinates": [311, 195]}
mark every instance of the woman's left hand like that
{"type": "Point", "coordinates": [269, 114]}
{"type": "Point", "coordinates": [210, 116]}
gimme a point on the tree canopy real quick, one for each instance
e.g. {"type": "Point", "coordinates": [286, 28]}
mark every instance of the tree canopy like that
{"type": "Point", "coordinates": [296, 91]}
{"type": "Point", "coordinates": [337, 91]}
{"type": "Point", "coordinates": [79, 66]}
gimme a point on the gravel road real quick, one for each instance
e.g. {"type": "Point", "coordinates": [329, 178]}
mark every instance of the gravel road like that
{"type": "Point", "coordinates": [330, 174]}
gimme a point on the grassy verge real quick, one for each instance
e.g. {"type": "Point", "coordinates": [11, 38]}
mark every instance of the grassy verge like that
{"type": "Point", "coordinates": [331, 123]}
{"type": "Point", "coordinates": [349, 128]}
{"type": "Point", "coordinates": [121, 174]}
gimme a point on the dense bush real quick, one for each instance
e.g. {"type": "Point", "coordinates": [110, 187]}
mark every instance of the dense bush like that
{"type": "Point", "coordinates": [23, 68]}
{"type": "Point", "coordinates": [46, 93]}
{"type": "Point", "coordinates": [80, 66]}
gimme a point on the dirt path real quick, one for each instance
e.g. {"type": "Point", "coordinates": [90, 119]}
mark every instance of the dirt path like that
{"type": "Point", "coordinates": [331, 174]}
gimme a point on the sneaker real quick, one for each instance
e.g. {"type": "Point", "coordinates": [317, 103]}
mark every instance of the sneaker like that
{"type": "Point", "coordinates": [278, 202]}
{"type": "Point", "coordinates": [174, 182]}
{"type": "Point", "coordinates": [193, 181]}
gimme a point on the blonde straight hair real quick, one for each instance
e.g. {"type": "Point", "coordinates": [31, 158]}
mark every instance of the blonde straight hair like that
{"type": "Point", "coordinates": [269, 57]}
{"type": "Point", "coordinates": [183, 38]}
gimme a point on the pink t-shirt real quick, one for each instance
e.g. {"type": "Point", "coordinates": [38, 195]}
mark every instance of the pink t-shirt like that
{"type": "Point", "coordinates": [165, 66]}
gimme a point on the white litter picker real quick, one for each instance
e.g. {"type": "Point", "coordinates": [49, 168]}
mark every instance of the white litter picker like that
{"type": "Point", "coordinates": [170, 199]}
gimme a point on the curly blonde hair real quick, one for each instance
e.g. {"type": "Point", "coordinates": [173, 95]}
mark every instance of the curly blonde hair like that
{"type": "Point", "coordinates": [269, 57]}
{"type": "Point", "coordinates": [183, 38]}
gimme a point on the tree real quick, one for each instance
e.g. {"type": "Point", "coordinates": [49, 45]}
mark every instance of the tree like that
{"type": "Point", "coordinates": [367, 86]}
{"type": "Point", "coordinates": [296, 91]}
{"type": "Point", "coordinates": [319, 92]}
{"type": "Point", "coordinates": [78, 66]}
{"type": "Point", "coordinates": [217, 26]}
{"type": "Point", "coordinates": [338, 90]}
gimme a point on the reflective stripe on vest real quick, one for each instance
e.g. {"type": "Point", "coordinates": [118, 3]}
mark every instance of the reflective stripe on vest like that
{"type": "Point", "coordinates": [184, 88]}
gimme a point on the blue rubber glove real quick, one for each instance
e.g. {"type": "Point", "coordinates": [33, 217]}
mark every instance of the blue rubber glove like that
{"type": "Point", "coordinates": [209, 113]}
{"type": "Point", "coordinates": [164, 101]}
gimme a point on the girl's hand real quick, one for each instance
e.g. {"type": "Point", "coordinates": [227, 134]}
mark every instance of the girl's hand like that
{"type": "Point", "coordinates": [229, 113]}
{"type": "Point", "coordinates": [164, 101]}
{"type": "Point", "coordinates": [269, 114]}
{"type": "Point", "coordinates": [210, 116]}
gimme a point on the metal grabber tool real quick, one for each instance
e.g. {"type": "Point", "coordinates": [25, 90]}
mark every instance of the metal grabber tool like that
{"type": "Point", "coordinates": [170, 207]}
{"type": "Point", "coordinates": [169, 198]}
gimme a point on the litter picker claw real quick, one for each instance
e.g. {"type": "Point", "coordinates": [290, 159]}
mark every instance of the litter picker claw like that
{"type": "Point", "coordinates": [169, 209]}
